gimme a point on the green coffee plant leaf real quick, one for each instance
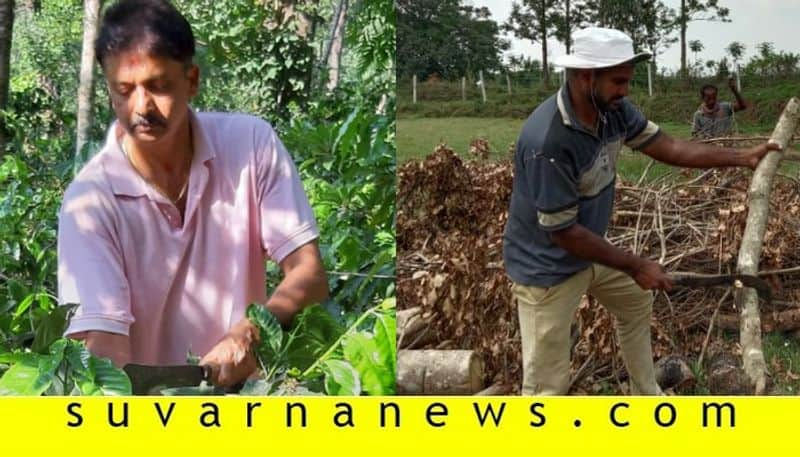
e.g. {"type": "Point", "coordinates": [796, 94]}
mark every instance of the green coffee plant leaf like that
{"type": "Point", "coordinates": [341, 378]}
{"type": "Point", "coordinates": [361, 351]}
{"type": "Point", "coordinates": [314, 330]}
{"type": "Point", "coordinates": [52, 327]}
{"type": "Point", "coordinates": [32, 374]}
{"type": "Point", "coordinates": [270, 331]}
{"type": "Point", "coordinates": [385, 334]}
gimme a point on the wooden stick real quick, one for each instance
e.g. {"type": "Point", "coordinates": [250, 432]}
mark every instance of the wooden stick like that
{"type": "Point", "coordinates": [711, 327]}
{"type": "Point", "coordinates": [737, 139]}
{"type": "Point", "coordinates": [779, 272]}
{"type": "Point", "coordinates": [752, 243]}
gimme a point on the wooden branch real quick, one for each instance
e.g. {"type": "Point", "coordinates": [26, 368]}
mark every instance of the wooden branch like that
{"type": "Point", "coordinates": [779, 321]}
{"type": "Point", "coordinates": [413, 328]}
{"type": "Point", "coordinates": [738, 139]}
{"type": "Point", "coordinates": [791, 154]}
{"type": "Point", "coordinates": [752, 243]}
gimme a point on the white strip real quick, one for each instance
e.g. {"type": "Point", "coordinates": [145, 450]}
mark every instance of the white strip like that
{"type": "Point", "coordinates": [555, 219]}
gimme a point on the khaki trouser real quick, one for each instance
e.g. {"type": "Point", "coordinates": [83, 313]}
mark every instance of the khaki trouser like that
{"type": "Point", "coordinates": [545, 317]}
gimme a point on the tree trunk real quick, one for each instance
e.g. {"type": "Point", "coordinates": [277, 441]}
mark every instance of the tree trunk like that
{"type": "Point", "coordinates": [752, 240]}
{"type": "Point", "coordinates": [6, 32]}
{"type": "Point", "coordinates": [545, 67]}
{"type": "Point", "coordinates": [684, 21]}
{"type": "Point", "coordinates": [323, 58]}
{"type": "Point", "coordinates": [334, 56]}
{"type": "Point", "coordinates": [91, 13]}
{"type": "Point", "coordinates": [568, 23]}
{"type": "Point", "coordinates": [312, 36]}
{"type": "Point", "coordinates": [432, 372]}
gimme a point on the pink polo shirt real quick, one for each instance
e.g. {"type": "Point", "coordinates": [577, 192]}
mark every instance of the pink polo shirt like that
{"type": "Point", "coordinates": [135, 270]}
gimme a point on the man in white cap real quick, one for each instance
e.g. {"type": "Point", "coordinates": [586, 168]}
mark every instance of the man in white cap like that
{"type": "Point", "coordinates": [563, 193]}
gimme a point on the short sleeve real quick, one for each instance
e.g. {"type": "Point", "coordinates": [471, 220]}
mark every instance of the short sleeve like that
{"type": "Point", "coordinates": [640, 131]}
{"type": "Point", "coordinates": [553, 180]}
{"type": "Point", "coordinates": [728, 107]}
{"type": "Point", "coordinates": [90, 268]}
{"type": "Point", "coordinates": [286, 219]}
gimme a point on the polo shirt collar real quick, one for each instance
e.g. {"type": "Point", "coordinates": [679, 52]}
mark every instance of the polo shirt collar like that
{"type": "Point", "coordinates": [565, 107]}
{"type": "Point", "coordinates": [126, 181]}
{"type": "Point", "coordinates": [567, 111]}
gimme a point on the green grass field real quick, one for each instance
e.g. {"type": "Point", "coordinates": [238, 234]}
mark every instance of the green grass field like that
{"type": "Point", "coordinates": [418, 137]}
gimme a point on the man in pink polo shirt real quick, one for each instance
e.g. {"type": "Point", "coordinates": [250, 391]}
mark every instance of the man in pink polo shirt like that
{"type": "Point", "coordinates": [164, 234]}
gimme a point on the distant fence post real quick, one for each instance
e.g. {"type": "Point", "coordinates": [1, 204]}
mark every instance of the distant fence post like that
{"type": "Point", "coordinates": [508, 83]}
{"type": "Point", "coordinates": [464, 88]}
{"type": "Point", "coordinates": [650, 78]}
{"type": "Point", "coordinates": [738, 79]}
{"type": "Point", "coordinates": [483, 85]}
{"type": "Point", "coordinates": [414, 90]}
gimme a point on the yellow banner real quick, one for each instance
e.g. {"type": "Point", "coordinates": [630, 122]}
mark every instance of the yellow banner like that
{"type": "Point", "coordinates": [400, 426]}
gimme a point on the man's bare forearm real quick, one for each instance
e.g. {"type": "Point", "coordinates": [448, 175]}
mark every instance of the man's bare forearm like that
{"type": "Point", "coordinates": [689, 154]}
{"type": "Point", "coordinates": [296, 291]}
{"type": "Point", "coordinates": [304, 283]}
{"type": "Point", "coordinates": [107, 345]}
{"type": "Point", "coordinates": [584, 244]}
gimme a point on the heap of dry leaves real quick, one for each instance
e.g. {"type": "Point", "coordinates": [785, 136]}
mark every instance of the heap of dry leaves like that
{"type": "Point", "coordinates": [450, 221]}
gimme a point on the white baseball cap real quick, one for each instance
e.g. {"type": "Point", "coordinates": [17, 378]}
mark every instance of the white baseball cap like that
{"type": "Point", "coordinates": [597, 47]}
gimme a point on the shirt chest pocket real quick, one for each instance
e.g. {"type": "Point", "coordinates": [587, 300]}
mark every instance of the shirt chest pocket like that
{"type": "Point", "coordinates": [602, 171]}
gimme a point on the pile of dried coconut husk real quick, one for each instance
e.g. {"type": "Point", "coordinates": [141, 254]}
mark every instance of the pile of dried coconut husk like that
{"type": "Point", "coordinates": [450, 221]}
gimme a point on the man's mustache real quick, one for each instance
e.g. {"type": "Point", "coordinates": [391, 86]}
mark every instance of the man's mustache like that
{"type": "Point", "coordinates": [148, 121]}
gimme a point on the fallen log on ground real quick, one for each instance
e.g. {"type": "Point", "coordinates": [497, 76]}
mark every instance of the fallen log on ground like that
{"type": "Point", "coordinates": [413, 328]}
{"type": "Point", "coordinates": [495, 389]}
{"type": "Point", "coordinates": [434, 372]}
{"type": "Point", "coordinates": [752, 242]}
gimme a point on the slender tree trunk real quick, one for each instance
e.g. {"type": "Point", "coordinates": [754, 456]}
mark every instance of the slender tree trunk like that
{"type": "Point", "coordinates": [746, 299]}
{"type": "Point", "coordinates": [324, 57]}
{"type": "Point", "coordinates": [6, 32]}
{"type": "Point", "coordinates": [545, 67]}
{"type": "Point", "coordinates": [337, 43]}
{"type": "Point", "coordinates": [91, 13]}
{"type": "Point", "coordinates": [568, 23]}
{"type": "Point", "coordinates": [684, 24]}
{"type": "Point", "coordinates": [312, 36]}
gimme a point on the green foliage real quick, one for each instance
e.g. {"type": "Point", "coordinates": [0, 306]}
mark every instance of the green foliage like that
{"type": "Point", "coordinates": [348, 168]}
{"type": "Point", "coordinates": [371, 35]}
{"type": "Point", "coordinates": [28, 205]}
{"type": "Point", "coordinates": [59, 366]}
{"type": "Point", "coordinates": [66, 369]}
{"type": "Point", "coordinates": [52, 327]}
{"type": "Point", "coordinates": [316, 354]}
{"type": "Point", "coordinates": [446, 38]}
{"type": "Point", "coordinates": [251, 56]}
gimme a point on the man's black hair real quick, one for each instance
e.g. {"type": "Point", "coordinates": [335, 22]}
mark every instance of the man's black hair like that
{"type": "Point", "coordinates": [708, 86]}
{"type": "Point", "coordinates": [154, 25]}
